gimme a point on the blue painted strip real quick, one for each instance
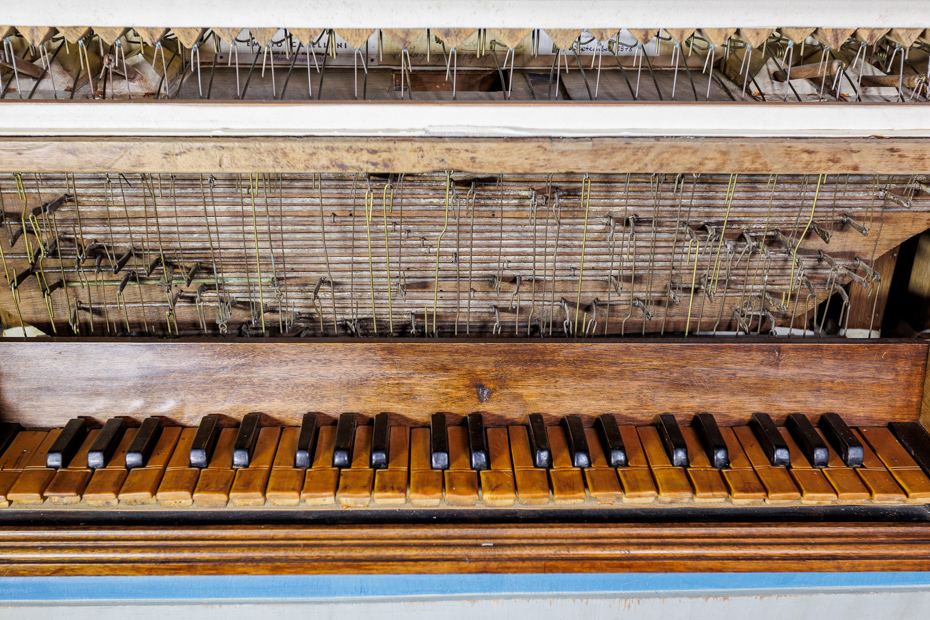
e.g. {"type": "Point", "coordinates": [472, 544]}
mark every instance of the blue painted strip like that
{"type": "Point", "coordinates": [311, 587]}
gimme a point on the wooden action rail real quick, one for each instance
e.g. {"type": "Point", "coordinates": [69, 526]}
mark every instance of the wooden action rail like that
{"type": "Point", "coordinates": [888, 474]}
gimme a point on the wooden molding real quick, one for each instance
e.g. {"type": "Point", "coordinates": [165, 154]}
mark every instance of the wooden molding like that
{"type": "Point", "coordinates": [485, 548]}
{"type": "Point", "coordinates": [46, 382]}
{"type": "Point", "coordinates": [473, 155]}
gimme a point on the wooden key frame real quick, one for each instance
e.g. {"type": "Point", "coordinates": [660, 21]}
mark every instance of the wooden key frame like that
{"type": "Point", "coordinates": [520, 378]}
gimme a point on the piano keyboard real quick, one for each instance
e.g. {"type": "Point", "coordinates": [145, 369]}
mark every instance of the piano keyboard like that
{"type": "Point", "coordinates": [359, 462]}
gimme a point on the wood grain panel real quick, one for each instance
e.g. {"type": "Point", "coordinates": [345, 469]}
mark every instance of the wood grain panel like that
{"type": "Point", "coordinates": [44, 383]}
{"type": "Point", "coordinates": [475, 155]}
{"type": "Point", "coordinates": [486, 548]}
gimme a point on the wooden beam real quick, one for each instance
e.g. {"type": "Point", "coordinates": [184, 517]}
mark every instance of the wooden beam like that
{"type": "Point", "coordinates": [451, 548]}
{"type": "Point", "coordinates": [867, 306]}
{"type": "Point", "coordinates": [44, 383]}
{"type": "Point", "coordinates": [475, 155]}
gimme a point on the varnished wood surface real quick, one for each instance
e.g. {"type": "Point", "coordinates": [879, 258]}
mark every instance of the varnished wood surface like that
{"type": "Point", "coordinates": [494, 548]}
{"type": "Point", "coordinates": [44, 383]}
{"type": "Point", "coordinates": [474, 155]}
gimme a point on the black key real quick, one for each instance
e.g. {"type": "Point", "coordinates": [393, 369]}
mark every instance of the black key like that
{"type": "Point", "coordinates": [245, 440]}
{"type": "Point", "coordinates": [204, 441]}
{"type": "Point", "coordinates": [539, 441]}
{"type": "Point", "coordinates": [577, 442]}
{"type": "Point", "coordinates": [812, 445]}
{"type": "Point", "coordinates": [379, 442]}
{"type": "Point", "coordinates": [8, 431]}
{"type": "Point", "coordinates": [843, 440]}
{"type": "Point", "coordinates": [345, 439]}
{"type": "Point", "coordinates": [477, 442]}
{"type": "Point", "coordinates": [771, 441]}
{"type": "Point", "coordinates": [106, 443]}
{"type": "Point", "coordinates": [305, 441]}
{"type": "Point", "coordinates": [609, 433]}
{"type": "Point", "coordinates": [915, 439]}
{"type": "Point", "coordinates": [709, 433]}
{"type": "Point", "coordinates": [67, 444]}
{"type": "Point", "coordinates": [438, 442]}
{"type": "Point", "coordinates": [673, 440]}
{"type": "Point", "coordinates": [140, 448]}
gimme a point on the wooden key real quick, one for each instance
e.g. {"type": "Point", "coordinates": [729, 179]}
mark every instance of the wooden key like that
{"type": "Point", "coordinates": [813, 485]}
{"type": "Point", "coordinates": [887, 447]}
{"type": "Point", "coordinates": [215, 481]}
{"type": "Point", "coordinates": [29, 488]}
{"type": "Point", "coordinates": [558, 445]}
{"type": "Point", "coordinates": [833, 458]}
{"type": "Point", "coordinates": [246, 438]}
{"type": "Point", "coordinates": [322, 478]}
{"type": "Point", "coordinates": [914, 437]}
{"type": "Point", "coordinates": [567, 486]}
{"type": "Point", "coordinates": [344, 441]}
{"type": "Point", "coordinates": [840, 438]}
{"type": "Point", "coordinates": [915, 483]}
{"type": "Point", "coordinates": [595, 449]}
{"type": "Point", "coordinates": [539, 441]}
{"type": "Point", "coordinates": [142, 483]}
{"type": "Point", "coordinates": [751, 447]}
{"type": "Point", "coordinates": [735, 452]}
{"type": "Point", "coordinates": [847, 484]}
{"type": "Point", "coordinates": [7, 480]}
{"type": "Point", "coordinates": [696, 453]}
{"type": "Point", "coordinates": [796, 457]}
{"type": "Point", "coordinates": [807, 439]}
{"type": "Point", "coordinates": [653, 447]}
{"type": "Point", "coordinates": [638, 485]}
{"type": "Point", "coordinates": [608, 432]}
{"type": "Point", "coordinates": [769, 440]}
{"type": "Point", "coordinates": [143, 444]}
{"type": "Point", "coordinates": [520, 449]}
{"type": "Point", "coordinates": [108, 441]}
{"type": "Point", "coordinates": [577, 441]}
{"type": "Point", "coordinates": [779, 486]}
{"type": "Point", "coordinates": [380, 441]}
{"type": "Point", "coordinates": [390, 485]}
{"type": "Point", "coordinates": [21, 449]}
{"type": "Point", "coordinates": [458, 448]}
{"type": "Point", "coordinates": [881, 485]}
{"type": "Point", "coordinates": [461, 487]}
{"type": "Point", "coordinates": [711, 440]}
{"type": "Point", "coordinates": [204, 442]}
{"type": "Point", "coordinates": [104, 486]}
{"type": "Point", "coordinates": [499, 448]}
{"type": "Point", "coordinates": [285, 480]}
{"type": "Point", "coordinates": [498, 487]}
{"type": "Point", "coordinates": [8, 430]}
{"type": "Point", "coordinates": [672, 440]}
{"type": "Point", "coordinates": [870, 460]}
{"type": "Point", "coordinates": [425, 482]}
{"type": "Point", "coordinates": [532, 486]}
{"type": "Point", "coordinates": [306, 441]}
{"type": "Point", "coordinates": [69, 482]}
{"type": "Point", "coordinates": [178, 482]}
{"type": "Point", "coordinates": [603, 484]}
{"type": "Point", "coordinates": [477, 442]}
{"type": "Point", "coordinates": [673, 484]}
{"type": "Point", "coordinates": [635, 456]}
{"type": "Point", "coordinates": [439, 441]}
{"type": "Point", "coordinates": [68, 443]}
{"type": "Point", "coordinates": [743, 484]}
{"type": "Point", "coordinates": [355, 482]}
{"type": "Point", "coordinates": [707, 483]}
{"type": "Point", "coordinates": [248, 488]}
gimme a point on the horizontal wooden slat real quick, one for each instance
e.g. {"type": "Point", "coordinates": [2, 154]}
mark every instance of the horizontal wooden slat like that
{"type": "Point", "coordinates": [45, 383]}
{"type": "Point", "coordinates": [486, 548]}
{"type": "Point", "coordinates": [477, 155]}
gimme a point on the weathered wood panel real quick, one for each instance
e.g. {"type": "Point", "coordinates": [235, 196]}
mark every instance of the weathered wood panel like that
{"type": "Point", "coordinates": [44, 383]}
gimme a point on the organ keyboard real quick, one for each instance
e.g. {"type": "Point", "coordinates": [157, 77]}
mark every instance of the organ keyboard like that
{"type": "Point", "coordinates": [635, 287]}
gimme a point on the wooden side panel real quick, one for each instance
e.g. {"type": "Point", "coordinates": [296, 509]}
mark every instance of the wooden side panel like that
{"type": "Point", "coordinates": [489, 548]}
{"type": "Point", "coordinates": [44, 383]}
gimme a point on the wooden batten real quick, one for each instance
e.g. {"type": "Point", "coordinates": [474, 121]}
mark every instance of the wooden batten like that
{"type": "Point", "coordinates": [151, 36]}
{"type": "Point", "coordinates": [73, 34]}
{"type": "Point", "coordinates": [188, 36]}
{"type": "Point", "coordinates": [45, 383]}
{"type": "Point", "coordinates": [455, 37]}
{"type": "Point", "coordinates": [870, 36]}
{"type": "Point", "coordinates": [37, 36]}
{"type": "Point", "coordinates": [796, 35]}
{"type": "Point", "coordinates": [477, 155]}
{"type": "Point", "coordinates": [563, 38]}
{"type": "Point", "coordinates": [755, 37]}
{"type": "Point", "coordinates": [718, 36]}
{"type": "Point", "coordinates": [356, 37]}
{"type": "Point", "coordinates": [109, 35]}
{"type": "Point", "coordinates": [511, 37]}
{"type": "Point", "coordinates": [833, 37]}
